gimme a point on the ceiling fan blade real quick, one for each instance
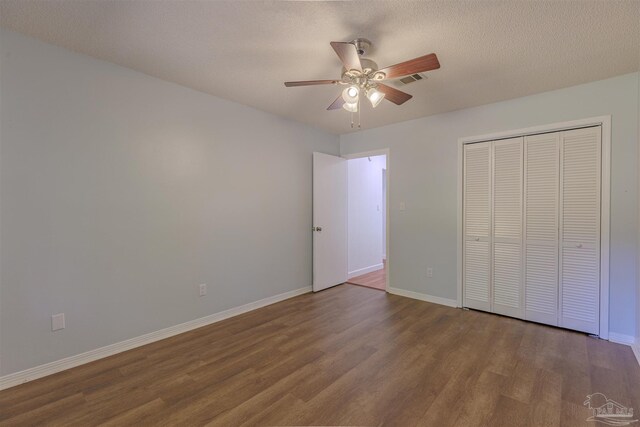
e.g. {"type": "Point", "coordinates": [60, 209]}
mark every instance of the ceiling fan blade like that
{"type": "Point", "coordinates": [396, 96]}
{"type": "Point", "coordinates": [413, 66]}
{"type": "Point", "coordinates": [337, 104]}
{"type": "Point", "coordinates": [348, 55]}
{"type": "Point", "coordinates": [311, 83]}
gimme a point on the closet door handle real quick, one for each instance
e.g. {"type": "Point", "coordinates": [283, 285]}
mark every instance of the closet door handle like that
{"type": "Point", "coordinates": [579, 245]}
{"type": "Point", "coordinates": [477, 239]}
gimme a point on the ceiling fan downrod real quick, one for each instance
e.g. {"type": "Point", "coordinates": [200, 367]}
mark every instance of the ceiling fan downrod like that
{"type": "Point", "coordinates": [362, 45]}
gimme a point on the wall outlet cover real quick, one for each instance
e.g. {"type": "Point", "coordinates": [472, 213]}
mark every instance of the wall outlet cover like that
{"type": "Point", "coordinates": [57, 322]}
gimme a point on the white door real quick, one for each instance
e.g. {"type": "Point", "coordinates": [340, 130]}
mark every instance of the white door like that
{"type": "Point", "coordinates": [541, 198]}
{"type": "Point", "coordinates": [580, 229]}
{"type": "Point", "coordinates": [329, 221]}
{"type": "Point", "coordinates": [477, 226]}
{"type": "Point", "coordinates": [508, 289]}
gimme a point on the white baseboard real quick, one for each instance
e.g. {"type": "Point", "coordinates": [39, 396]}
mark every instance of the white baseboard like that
{"type": "Point", "coordinates": [423, 297]}
{"type": "Point", "coordinates": [621, 338]}
{"type": "Point", "coordinates": [365, 270]}
{"type": "Point", "coordinates": [99, 353]}
{"type": "Point", "coordinates": [636, 350]}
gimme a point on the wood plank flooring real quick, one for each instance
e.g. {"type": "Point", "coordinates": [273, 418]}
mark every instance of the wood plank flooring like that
{"type": "Point", "coordinates": [345, 356]}
{"type": "Point", "coordinates": [376, 279]}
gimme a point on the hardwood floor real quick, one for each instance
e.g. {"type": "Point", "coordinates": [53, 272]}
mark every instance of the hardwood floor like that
{"type": "Point", "coordinates": [345, 356]}
{"type": "Point", "coordinates": [376, 279]}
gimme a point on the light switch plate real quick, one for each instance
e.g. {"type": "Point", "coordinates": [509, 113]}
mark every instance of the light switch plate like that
{"type": "Point", "coordinates": [57, 322]}
{"type": "Point", "coordinates": [402, 206]}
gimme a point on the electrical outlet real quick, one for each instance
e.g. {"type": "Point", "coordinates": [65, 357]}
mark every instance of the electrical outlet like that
{"type": "Point", "coordinates": [429, 272]}
{"type": "Point", "coordinates": [203, 289]}
{"type": "Point", "coordinates": [57, 322]}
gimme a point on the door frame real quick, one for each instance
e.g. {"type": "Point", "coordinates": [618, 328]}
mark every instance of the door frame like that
{"type": "Point", "coordinates": [387, 228]}
{"type": "Point", "coordinates": [605, 201]}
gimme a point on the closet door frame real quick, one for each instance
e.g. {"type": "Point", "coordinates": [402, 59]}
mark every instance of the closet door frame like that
{"type": "Point", "coordinates": [605, 199]}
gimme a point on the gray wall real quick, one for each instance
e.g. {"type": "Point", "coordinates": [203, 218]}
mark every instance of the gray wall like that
{"type": "Point", "coordinates": [120, 193]}
{"type": "Point", "coordinates": [423, 173]}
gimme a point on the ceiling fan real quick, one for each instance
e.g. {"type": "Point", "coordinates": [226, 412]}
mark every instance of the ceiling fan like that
{"type": "Point", "coordinates": [361, 76]}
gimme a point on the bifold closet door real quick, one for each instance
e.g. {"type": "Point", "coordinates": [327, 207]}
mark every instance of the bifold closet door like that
{"type": "Point", "coordinates": [477, 225]}
{"type": "Point", "coordinates": [580, 160]}
{"type": "Point", "coordinates": [508, 289]}
{"type": "Point", "coordinates": [541, 204]}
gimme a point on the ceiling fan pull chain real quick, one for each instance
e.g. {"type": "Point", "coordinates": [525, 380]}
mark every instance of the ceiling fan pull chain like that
{"type": "Point", "coordinates": [351, 120]}
{"type": "Point", "coordinates": [359, 112]}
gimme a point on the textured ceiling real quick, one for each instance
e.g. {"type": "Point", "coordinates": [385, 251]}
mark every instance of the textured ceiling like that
{"type": "Point", "coordinates": [244, 50]}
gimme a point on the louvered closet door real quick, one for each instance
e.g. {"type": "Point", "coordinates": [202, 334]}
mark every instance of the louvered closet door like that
{"type": "Point", "coordinates": [541, 201]}
{"type": "Point", "coordinates": [477, 225]}
{"type": "Point", "coordinates": [508, 289]}
{"type": "Point", "coordinates": [580, 229]}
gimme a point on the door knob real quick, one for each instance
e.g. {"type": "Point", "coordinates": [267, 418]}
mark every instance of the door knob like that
{"type": "Point", "coordinates": [318, 229]}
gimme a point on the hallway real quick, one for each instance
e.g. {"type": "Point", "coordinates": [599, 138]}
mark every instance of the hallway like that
{"type": "Point", "coordinates": [376, 279]}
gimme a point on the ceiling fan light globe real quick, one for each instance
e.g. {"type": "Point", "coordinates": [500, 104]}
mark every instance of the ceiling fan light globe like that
{"type": "Point", "coordinates": [353, 107]}
{"type": "Point", "coordinates": [350, 94]}
{"type": "Point", "coordinates": [375, 96]}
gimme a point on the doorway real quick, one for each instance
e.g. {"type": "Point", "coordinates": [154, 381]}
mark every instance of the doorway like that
{"type": "Point", "coordinates": [351, 237]}
{"type": "Point", "coordinates": [367, 228]}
